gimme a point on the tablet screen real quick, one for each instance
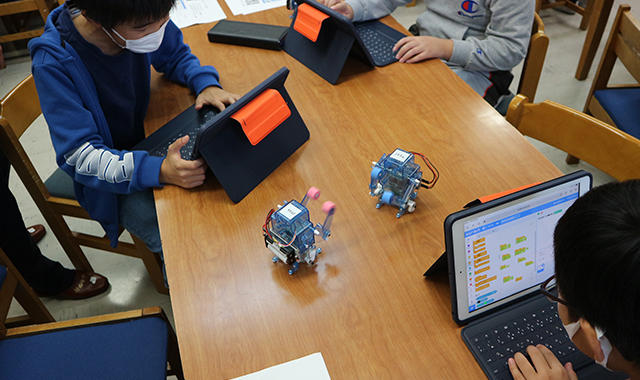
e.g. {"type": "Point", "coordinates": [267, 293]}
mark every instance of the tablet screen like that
{"type": "Point", "coordinates": [506, 251]}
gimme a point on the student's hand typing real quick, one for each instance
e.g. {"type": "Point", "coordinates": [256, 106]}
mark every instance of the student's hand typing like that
{"type": "Point", "coordinates": [547, 366]}
{"type": "Point", "coordinates": [179, 172]}
{"type": "Point", "coordinates": [339, 6]}
{"type": "Point", "coordinates": [418, 48]}
{"type": "Point", "coordinates": [216, 97]}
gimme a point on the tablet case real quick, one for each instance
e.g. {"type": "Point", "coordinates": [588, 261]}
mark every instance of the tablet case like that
{"type": "Point", "coordinates": [322, 40]}
{"type": "Point", "coordinates": [248, 34]}
{"type": "Point", "coordinates": [253, 136]}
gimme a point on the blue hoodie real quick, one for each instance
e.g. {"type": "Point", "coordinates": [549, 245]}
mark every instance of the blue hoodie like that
{"type": "Point", "coordinates": [79, 131]}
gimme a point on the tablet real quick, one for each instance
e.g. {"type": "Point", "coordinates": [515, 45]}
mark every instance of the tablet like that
{"type": "Point", "coordinates": [501, 251]}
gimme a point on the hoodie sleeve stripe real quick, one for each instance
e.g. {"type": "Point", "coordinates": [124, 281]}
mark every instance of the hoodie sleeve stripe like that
{"type": "Point", "coordinates": [101, 163]}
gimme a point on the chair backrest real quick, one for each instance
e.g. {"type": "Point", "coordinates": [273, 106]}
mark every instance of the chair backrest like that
{"type": "Point", "coordinates": [602, 145]}
{"type": "Point", "coordinates": [68, 349]}
{"type": "Point", "coordinates": [21, 106]}
{"type": "Point", "coordinates": [20, 6]}
{"type": "Point", "coordinates": [623, 44]}
{"type": "Point", "coordinates": [534, 60]}
{"type": "Point", "coordinates": [18, 110]}
{"type": "Point", "coordinates": [15, 286]}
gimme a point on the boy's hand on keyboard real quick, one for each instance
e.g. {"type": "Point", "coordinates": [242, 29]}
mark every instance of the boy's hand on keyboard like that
{"type": "Point", "coordinates": [418, 48]}
{"type": "Point", "coordinates": [339, 6]}
{"type": "Point", "coordinates": [216, 97]}
{"type": "Point", "coordinates": [179, 172]}
{"type": "Point", "coordinates": [545, 366]}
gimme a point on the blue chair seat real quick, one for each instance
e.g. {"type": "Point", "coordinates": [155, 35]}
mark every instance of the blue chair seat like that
{"type": "Point", "coordinates": [3, 274]}
{"type": "Point", "coordinates": [60, 184]}
{"type": "Point", "coordinates": [623, 106]}
{"type": "Point", "coordinates": [135, 349]}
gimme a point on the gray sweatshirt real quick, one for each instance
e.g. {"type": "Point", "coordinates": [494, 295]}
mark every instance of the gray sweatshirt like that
{"type": "Point", "coordinates": [488, 35]}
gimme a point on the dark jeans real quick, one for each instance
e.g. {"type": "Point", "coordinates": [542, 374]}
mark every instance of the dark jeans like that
{"type": "Point", "coordinates": [45, 276]}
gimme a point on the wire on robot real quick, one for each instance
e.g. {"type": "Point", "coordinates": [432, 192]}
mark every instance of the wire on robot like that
{"type": "Point", "coordinates": [436, 174]}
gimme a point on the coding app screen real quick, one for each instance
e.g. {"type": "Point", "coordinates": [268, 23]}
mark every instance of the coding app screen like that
{"type": "Point", "coordinates": [512, 249]}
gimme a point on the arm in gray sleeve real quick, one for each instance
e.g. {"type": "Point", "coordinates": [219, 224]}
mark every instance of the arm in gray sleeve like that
{"type": "Point", "coordinates": [506, 38]}
{"type": "Point", "coordinates": [372, 9]}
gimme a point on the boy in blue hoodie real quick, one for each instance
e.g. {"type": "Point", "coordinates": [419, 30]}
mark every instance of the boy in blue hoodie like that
{"type": "Point", "coordinates": [92, 72]}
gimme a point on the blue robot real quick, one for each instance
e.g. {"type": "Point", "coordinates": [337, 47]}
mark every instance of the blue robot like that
{"type": "Point", "coordinates": [290, 235]}
{"type": "Point", "coordinates": [395, 180]}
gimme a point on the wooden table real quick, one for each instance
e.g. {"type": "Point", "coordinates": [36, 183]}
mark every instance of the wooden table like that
{"type": "Point", "coordinates": [365, 305]}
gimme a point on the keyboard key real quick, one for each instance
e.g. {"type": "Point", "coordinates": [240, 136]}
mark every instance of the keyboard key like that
{"type": "Point", "coordinates": [379, 46]}
{"type": "Point", "coordinates": [503, 340]}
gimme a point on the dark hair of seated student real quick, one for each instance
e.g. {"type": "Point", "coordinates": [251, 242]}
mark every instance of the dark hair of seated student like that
{"type": "Point", "coordinates": [597, 263]}
{"type": "Point", "coordinates": [110, 13]}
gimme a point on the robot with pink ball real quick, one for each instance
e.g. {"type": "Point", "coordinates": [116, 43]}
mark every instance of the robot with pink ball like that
{"type": "Point", "coordinates": [291, 236]}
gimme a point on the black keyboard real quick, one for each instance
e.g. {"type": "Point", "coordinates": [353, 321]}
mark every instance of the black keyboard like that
{"type": "Point", "coordinates": [379, 40]}
{"type": "Point", "coordinates": [497, 339]}
{"type": "Point", "coordinates": [189, 123]}
{"type": "Point", "coordinates": [186, 152]}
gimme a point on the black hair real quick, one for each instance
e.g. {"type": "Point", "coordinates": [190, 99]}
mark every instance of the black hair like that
{"type": "Point", "coordinates": [110, 13]}
{"type": "Point", "coordinates": [597, 262]}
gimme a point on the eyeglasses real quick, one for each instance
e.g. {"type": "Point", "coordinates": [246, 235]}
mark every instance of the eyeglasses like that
{"type": "Point", "coordinates": [548, 294]}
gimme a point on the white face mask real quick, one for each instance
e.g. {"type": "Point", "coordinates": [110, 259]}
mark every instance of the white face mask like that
{"type": "Point", "coordinates": [147, 44]}
{"type": "Point", "coordinates": [605, 345]}
{"type": "Point", "coordinates": [572, 328]}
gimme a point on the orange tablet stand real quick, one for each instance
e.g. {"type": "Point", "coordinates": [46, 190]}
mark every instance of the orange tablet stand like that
{"type": "Point", "coordinates": [309, 21]}
{"type": "Point", "coordinates": [262, 115]}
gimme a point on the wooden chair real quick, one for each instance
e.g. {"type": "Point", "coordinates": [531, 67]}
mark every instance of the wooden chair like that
{"type": "Point", "coordinates": [43, 7]}
{"type": "Point", "coordinates": [18, 109]}
{"type": "Point", "coordinates": [618, 104]}
{"type": "Point", "coordinates": [604, 146]}
{"type": "Point", "coordinates": [534, 60]}
{"type": "Point", "coordinates": [13, 285]}
{"type": "Point", "coordinates": [595, 17]}
{"type": "Point", "coordinates": [133, 345]}
{"type": "Point", "coordinates": [585, 12]}
{"type": "Point", "coordinates": [600, 10]}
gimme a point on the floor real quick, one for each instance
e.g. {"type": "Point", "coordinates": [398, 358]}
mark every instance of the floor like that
{"type": "Point", "coordinates": [131, 287]}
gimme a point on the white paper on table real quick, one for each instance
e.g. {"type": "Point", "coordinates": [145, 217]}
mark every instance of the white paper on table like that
{"type": "Point", "coordinates": [191, 12]}
{"type": "Point", "coordinates": [310, 367]}
{"type": "Point", "coordinates": [263, 5]}
{"type": "Point", "coordinates": [243, 7]}
{"type": "Point", "coordinates": [237, 6]}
